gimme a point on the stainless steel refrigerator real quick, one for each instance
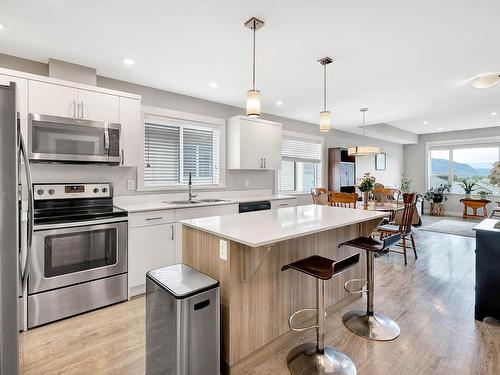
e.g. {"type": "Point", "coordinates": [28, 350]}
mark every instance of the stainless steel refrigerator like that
{"type": "Point", "coordinates": [14, 178]}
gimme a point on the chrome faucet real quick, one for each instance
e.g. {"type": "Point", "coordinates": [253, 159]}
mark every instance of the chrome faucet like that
{"type": "Point", "coordinates": [190, 194]}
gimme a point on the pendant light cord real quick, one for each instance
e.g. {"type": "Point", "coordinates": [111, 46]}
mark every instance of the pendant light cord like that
{"type": "Point", "coordinates": [364, 124]}
{"type": "Point", "coordinates": [324, 87]}
{"type": "Point", "coordinates": [253, 77]}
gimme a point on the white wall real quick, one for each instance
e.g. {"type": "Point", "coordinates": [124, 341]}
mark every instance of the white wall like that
{"type": "Point", "coordinates": [169, 100]}
{"type": "Point", "coordinates": [415, 164]}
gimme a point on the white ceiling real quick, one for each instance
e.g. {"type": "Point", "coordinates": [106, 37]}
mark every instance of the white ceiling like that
{"type": "Point", "coordinates": [406, 61]}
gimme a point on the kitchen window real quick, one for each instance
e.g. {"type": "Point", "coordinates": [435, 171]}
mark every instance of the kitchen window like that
{"type": "Point", "coordinates": [300, 165]}
{"type": "Point", "coordinates": [451, 164]}
{"type": "Point", "coordinates": [174, 148]}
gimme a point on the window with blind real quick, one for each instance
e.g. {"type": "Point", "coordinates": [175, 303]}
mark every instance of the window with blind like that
{"type": "Point", "coordinates": [174, 149]}
{"type": "Point", "coordinates": [300, 165]}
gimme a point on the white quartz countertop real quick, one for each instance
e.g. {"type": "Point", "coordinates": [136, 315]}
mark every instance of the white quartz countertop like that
{"type": "Point", "coordinates": [164, 204]}
{"type": "Point", "coordinates": [266, 227]}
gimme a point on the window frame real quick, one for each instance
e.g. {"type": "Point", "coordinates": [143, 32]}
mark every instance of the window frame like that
{"type": "Point", "coordinates": [166, 116]}
{"type": "Point", "coordinates": [320, 170]}
{"type": "Point", "coordinates": [451, 145]}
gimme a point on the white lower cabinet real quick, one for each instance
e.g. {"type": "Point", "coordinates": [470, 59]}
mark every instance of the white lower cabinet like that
{"type": "Point", "coordinates": [149, 247]}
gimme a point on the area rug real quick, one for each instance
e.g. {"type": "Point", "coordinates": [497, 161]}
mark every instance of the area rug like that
{"type": "Point", "coordinates": [460, 228]}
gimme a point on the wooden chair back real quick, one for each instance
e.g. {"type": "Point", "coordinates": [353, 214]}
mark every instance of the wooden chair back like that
{"type": "Point", "coordinates": [386, 194]}
{"type": "Point", "coordinates": [319, 196]}
{"type": "Point", "coordinates": [410, 201]}
{"type": "Point", "coordinates": [348, 200]}
{"type": "Point", "coordinates": [378, 185]}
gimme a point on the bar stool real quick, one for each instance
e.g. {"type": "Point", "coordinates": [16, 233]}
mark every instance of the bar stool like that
{"type": "Point", "coordinates": [310, 358]}
{"type": "Point", "coordinates": [368, 324]}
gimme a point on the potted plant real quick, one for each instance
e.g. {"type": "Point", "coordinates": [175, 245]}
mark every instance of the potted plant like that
{"type": "Point", "coordinates": [365, 185]}
{"type": "Point", "coordinates": [483, 194]}
{"type": "Point", "coordinates": [405, 185]}
{"type": "Point", "coordinates": [468, 186]}
{"type": "Point", "coordinates": [436, 194]}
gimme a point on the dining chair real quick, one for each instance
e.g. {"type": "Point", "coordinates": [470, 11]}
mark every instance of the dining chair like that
{"type": "Point", "coordinates": [404, 227]}
{"type": "Point", "coordinates": [495, 211]}
{"type": "Point", "coordinates": [378, 185]}
{"type": "Point", "coordinates": [319, 196]}
{"type": "Point", "coordinates": [386, 194]}
{"type": "Point", "coordinates": [347, 200]}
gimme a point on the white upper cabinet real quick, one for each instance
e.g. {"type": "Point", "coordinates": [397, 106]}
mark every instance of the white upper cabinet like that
{"type": "Point", "coordinates": [58, 100]}
{"type": "Point", "coordinates": [131, 136]}
{"type": "Point", "coordinates": [253, 144]}
{"type": "Point", "coordinates": [98, 106]}
{"type": "Point", "coordinates": [49, 99]}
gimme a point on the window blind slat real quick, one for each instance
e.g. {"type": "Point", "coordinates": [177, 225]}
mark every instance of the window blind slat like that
{"type": "Point", "coordinates": [173, 151]}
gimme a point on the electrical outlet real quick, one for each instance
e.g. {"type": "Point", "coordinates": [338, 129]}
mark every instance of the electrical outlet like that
{"type": "Point", "coordinates": [247, 182]}
{"type": "Point", "coordinates": [223, 249]}
{"type": "Point", "coordinates": [130, 184]}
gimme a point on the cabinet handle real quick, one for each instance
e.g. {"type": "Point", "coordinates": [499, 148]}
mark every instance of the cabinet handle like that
{"type": "Point", "coordinates": [283, 204]}
{"type": "Point", "coordinates": [82, 110]}
{"type": "Point", "coordinates": [265, 163]}
{"type": "Point", "coordinates": [261, 162]}
{"type": "Point", "coordinates": [154, 218]}
{"type": "Point", "coordinates": [123, 157]}
{"type": "Point", "coordinates": [172, 227]}
{"type": "Point", "coordinates": [74, 108]}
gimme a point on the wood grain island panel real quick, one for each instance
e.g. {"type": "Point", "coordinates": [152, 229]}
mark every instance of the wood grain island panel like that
{"type": "Point", "coordinates": [256, 297]}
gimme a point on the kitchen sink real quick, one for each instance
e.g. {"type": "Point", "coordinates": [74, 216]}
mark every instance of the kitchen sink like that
{"type": "Point", "coordinates": [212, 200]}
{"type": "Point", "coordinates": [183, 202]}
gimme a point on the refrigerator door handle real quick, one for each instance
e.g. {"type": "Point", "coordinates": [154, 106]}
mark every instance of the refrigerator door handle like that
{"type": "Point", "coordinates": [27, 262]}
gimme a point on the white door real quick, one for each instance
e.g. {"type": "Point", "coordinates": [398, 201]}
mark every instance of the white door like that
{"type": "Point", "coordinates": [150, 247]}
{"type": "Point", "coordinates": [131, 121]}
{"type": "Point", "coordinates": [251, 145]}
{"type": "Point", "coordinates": [50, 99]}
{"type": "Point", "coordinates": [98, 106]}
{"type": "Point", "coordinates": [271, 144]}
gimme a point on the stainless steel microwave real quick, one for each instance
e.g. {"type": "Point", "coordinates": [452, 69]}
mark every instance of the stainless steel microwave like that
{"type": "Point", "coordinates": [71, 140]}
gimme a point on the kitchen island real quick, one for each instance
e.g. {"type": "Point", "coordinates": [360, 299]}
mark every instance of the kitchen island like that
{"type": "Point", "coordinates": [245, 253]}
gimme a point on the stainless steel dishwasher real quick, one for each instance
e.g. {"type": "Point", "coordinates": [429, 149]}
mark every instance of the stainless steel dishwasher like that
{"type": "Point", "coordinates": [182, 322]}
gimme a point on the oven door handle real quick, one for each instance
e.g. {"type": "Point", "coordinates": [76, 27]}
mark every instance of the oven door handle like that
{"type": "Point", "coordinates": [22, 149]}
{"type": "Point", "coordinates": [79, 223]}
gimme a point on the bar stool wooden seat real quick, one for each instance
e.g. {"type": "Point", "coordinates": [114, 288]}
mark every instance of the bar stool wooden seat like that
{"type": "Point", "coordinates": [316, 358]}
{"type": "Point", "coordinates": [368, 324]}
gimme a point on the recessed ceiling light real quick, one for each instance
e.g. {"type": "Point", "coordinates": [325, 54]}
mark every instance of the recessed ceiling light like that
{"type": "Point", "coordinates": [279, 102]}
{"type": "Point", "coordinates": [493, 113]}
{"type": "Point", "coordinates": [425, 122]}
{"type": "Point", "coordinates": [440, 128]}
{"type": "Point", "coordinates": [214, 84]}
{"type": "Point", "coordinates": [484, 81]}
{"type": "Point", "coordinates": [1, 26]}
{"type": "Point", "coordinates": [128, 61]}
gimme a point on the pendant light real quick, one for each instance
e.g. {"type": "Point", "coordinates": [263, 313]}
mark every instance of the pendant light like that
{"type": "Point", "coordinates": [325, 117]}
{"type": "Point", "coordinates": [253, 95]}
{"type": "Point", "coordinates": [363, 150]}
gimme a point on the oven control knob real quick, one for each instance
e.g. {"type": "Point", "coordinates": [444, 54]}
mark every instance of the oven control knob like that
{"type": "Point", "coordinates": [104, 190]}
{"type": "Point", "coordinates": [96, 190]}
{"type": "Point", "coordinates": [40, 191]}
{"type": "Point", "coordinates": [51, 191]}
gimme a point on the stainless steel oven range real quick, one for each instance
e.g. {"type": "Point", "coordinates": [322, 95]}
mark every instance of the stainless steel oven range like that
{"type": "Point", "coordinates": [79, 251]}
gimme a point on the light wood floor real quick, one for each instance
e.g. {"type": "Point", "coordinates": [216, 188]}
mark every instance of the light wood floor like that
{"type": "Point", "coordinates": [432, 299]}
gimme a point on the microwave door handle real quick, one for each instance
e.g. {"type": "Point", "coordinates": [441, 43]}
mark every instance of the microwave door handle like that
{"type": "Point", "coordinates": [24, 278]}
{"type": "Point", "coordinates": [106, 140]}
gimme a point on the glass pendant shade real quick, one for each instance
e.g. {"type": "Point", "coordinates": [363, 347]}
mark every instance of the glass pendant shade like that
{"type": "Point", "coordinates": [325, 121]}
{"type": "Point", "coordinates": [253, 103]}
{"type": "Point", "coordinates": [363, 150]}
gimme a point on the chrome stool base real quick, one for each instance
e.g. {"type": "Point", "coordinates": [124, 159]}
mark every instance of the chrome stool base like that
{"type": "Point", "coordinates": [374, 327]}
{"type": "Point", "coordinates": [304, 359]}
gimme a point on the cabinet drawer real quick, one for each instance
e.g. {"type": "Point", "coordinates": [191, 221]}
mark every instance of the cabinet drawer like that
{"type": "Point", "coordinates": [282, 203]}
{"type": "Point", "coordinates": [142, 219]}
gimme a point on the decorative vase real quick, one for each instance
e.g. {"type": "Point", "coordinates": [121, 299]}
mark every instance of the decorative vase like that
{"type": "Point", "coordinates": [437, 198]}
{"type": "Point", "coordinates": [365, 200]}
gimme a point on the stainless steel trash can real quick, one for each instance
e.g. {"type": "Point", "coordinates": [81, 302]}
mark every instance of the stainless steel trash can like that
{"type": "Point", "coordinates": [182, 322]}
